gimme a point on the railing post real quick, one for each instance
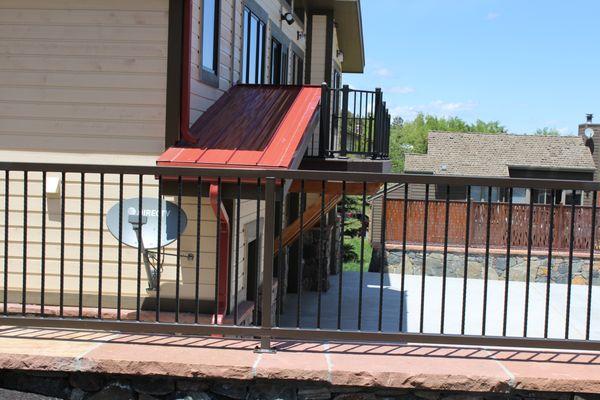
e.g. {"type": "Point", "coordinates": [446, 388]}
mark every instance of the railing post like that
{"type": "Point", "coordinates": [344, 136]}
{"type": "Point", "coordinates": [388, 126]}
{"type": "Point", "coordinates": [378, 123]}
{"type": "Point", "coordinates": [267, 272]}
{"type": "Point", "coordinates": [324, 124]}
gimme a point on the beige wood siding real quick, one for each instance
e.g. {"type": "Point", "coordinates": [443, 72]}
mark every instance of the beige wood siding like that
{"type": "Point", "coordinates": [319, 46]}
{"type": "Point", "coordinates": [83, 75]}
{"type": "Point", "coordinates": [91, 240]}
{"type": "Point", "coordinates": [247, 230]}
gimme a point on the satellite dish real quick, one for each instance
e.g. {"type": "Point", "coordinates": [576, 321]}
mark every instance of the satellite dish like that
{"type": "Point", "coordinates": [589, 132]}
{"type": "Point", "coordinates": [130, 218]}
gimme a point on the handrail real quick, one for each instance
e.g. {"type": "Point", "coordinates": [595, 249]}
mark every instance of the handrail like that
{"type": "Point", "coordinates": [247, 173]}
{"type": "Point", "coordinates": [353, 123]}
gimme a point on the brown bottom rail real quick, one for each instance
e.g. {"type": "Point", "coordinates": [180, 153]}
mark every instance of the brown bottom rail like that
{"type": "Point", "coordinates": [266, 334]}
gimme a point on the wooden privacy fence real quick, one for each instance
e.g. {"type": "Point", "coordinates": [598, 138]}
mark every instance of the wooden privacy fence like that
{"type": "Point", "coordinates": [540, 232]}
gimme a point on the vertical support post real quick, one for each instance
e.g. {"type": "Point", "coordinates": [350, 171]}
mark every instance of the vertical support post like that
{"type": "Point", "coordinates": [344, 136]}
{"type": "Point", "coordinates": [378, 123]}
{"type": "Point", "coordinates": [388, 125]}
{"type": "Point", "coordinates": [267, 273]}
{"type": "Point", "coordinates": [324, 123]}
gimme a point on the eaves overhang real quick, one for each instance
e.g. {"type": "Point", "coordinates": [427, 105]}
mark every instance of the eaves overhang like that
{"type": "Point", "coordinates": [347, 15]}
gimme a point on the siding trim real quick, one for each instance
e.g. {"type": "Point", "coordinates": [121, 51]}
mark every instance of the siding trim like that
{"type": "Point", "coordinates": [329, 48]}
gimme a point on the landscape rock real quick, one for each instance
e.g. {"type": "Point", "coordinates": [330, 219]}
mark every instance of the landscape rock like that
{"type": "Point", "coordinates": [44, 385]}
{"type": "Point", "coordinates": [77, 394]}
{"type": "Point", "coordinates": [144, 396]}
{"type": "Point", "coordinates": [271, 392]}
{"type": "Point", "coordinates": [114, 392]}
{"type": "Point", "coordinates": [87, 382]}
{"type": "Point", "coordinates": [316, 393]}
{"type": "Point", "coordinates": [356, 396]}
{"type": "Point", "coordinates": [189, 396]}
{"type": "Point", "coordinates": [497, 266]}
{"type": "Point", "coordinates": [190, 385]}
{"type": "Point", "coordinates": [14, 395]}
{"type": "Point", "coordinates": [153, 386]}
{"type": "Point", "coordinates": [232, 390]}
{"type": "Point", "coordinates": [427, 395]}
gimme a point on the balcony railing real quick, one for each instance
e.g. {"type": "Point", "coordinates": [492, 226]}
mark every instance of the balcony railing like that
{"type": "Point", "coordinates": [357, 124]}
{"type": "Point", "coordinates": [282, 254]}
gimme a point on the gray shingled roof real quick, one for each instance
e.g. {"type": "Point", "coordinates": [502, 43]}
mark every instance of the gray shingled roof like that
{"type": "Point", "coordinates": [477, 154]}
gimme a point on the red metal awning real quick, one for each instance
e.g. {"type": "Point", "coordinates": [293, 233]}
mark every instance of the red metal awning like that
{"type": "Point", "coordinates": [251, 126]}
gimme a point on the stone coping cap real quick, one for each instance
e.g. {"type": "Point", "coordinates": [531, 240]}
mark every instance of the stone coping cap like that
{"type": "Point", "coordinates": [408, 366]}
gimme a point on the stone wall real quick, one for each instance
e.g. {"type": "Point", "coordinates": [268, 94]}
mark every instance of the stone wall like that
{"type": "Point", "coordinates": [19, 385]}
{"type": "Point", "coordinates": [497, 266]}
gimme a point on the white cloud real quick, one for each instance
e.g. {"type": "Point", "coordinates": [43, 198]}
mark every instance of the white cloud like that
{"type": "Point", "coordinates": [399, 90]}
{"type": "Point", "coordinates": [438, 107]}
{"type": "Point", "coordinates": [492, 16]}
{"type": "Point", "coordinates": [383, 72]}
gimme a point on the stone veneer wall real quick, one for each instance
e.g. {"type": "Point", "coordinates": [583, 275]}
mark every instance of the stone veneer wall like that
{"type": "Point", "coordinates": [497, 266]}
{"type": "Point", "coordinates": [19, 385]}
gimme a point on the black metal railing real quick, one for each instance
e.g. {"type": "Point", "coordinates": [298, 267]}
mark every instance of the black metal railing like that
{"type": "Point", "coordinates": [296, 255]}
{"type": "Point", "coordinates": [356, 123]}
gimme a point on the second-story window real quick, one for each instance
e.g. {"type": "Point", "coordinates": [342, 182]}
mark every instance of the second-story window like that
{"type": "Point", "coordinates": [297, 69]}
{"type": "Point", "coordinates": [253, 48]}
{"type": "Point", "coordinates": [279, 63]}
{"type": "Point", "coordinates": [210, 40]}
{"type": "Point", "coordinates": [276, 62]}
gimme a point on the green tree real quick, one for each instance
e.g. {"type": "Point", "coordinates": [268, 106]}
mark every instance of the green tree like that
{"type": "Point", "coordinates": [547, 132]}
{"type": "Point", "coordinates": [411, 137]}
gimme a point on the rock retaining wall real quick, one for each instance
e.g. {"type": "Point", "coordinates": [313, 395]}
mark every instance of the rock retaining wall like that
{"type": "Point", "coordinates": [497, 266]}
{"type": "Point", "coordinates": [18, 385]}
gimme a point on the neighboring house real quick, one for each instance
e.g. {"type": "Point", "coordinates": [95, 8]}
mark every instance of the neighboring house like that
{"type": "Point", "coordinates": [497, 156]}
{"type": "Point", "coordinates": [198, 83]}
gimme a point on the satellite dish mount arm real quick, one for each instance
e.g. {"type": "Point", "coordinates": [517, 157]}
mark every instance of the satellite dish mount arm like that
{"type": "Point", "coordinates": [137, 223]}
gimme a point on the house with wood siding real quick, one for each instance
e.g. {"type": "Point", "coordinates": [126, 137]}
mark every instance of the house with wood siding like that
{"type": "Point", "coordinates": [194, 83]}
{"type": "Point", "coordinates": [493, 156]}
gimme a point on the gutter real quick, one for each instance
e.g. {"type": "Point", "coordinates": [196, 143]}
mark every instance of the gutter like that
{"type": "Point", "coordinates": [223, 256]}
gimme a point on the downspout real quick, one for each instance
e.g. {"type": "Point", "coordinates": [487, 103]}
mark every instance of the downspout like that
{"type": "Point", "coordinates": [185, 136]}
{"type": "Point", "coordinates": [186, 73]}
{"type": "Point", "coordinates": [223, 256]}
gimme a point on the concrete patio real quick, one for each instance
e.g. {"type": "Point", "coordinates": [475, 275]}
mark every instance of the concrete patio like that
{"type": "Point", "coordinates": [453, 304]}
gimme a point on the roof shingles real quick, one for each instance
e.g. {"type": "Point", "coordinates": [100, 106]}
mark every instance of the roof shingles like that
{"type": "Point", "coordinates": [477, 154]}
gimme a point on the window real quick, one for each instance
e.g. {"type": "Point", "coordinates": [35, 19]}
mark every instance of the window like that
{"type": "Point", "coordinates": [481, 193]}
{"type": "Point", "coordinates": [297, 69]}
{"type": "Point", "coordinates": [544, 196]}
{"type": "Point", "coordinates": [279, 60]}
{"type": "Point", "coordinates": [519, 196]}
{"type": "Point", "coordinates": [210, 40]}
{"type": "Point", "coordinates": [573, 198]}
{"type": "Point", "coordinates": [253, 50]}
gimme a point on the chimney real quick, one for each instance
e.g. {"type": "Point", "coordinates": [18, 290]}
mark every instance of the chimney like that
{"type": "Point", "coordinates": [592, 142]}
{"type": "Point", "coordinates": [589, 123]}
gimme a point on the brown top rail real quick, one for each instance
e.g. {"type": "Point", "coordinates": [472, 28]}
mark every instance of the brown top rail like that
{"type": "Point", "coordinates": [306, 175]}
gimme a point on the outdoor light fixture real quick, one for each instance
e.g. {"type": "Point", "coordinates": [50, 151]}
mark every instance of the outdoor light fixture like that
{"type": "Point", "coordinates": [288, 17]}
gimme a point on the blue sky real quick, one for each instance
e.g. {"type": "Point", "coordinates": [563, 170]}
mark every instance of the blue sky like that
{"type": "Point", "coordinates": [526, 63]}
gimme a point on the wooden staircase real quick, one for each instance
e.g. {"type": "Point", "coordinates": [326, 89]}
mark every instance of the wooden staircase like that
{"type": "Point", "coordinates": [310, 218]}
